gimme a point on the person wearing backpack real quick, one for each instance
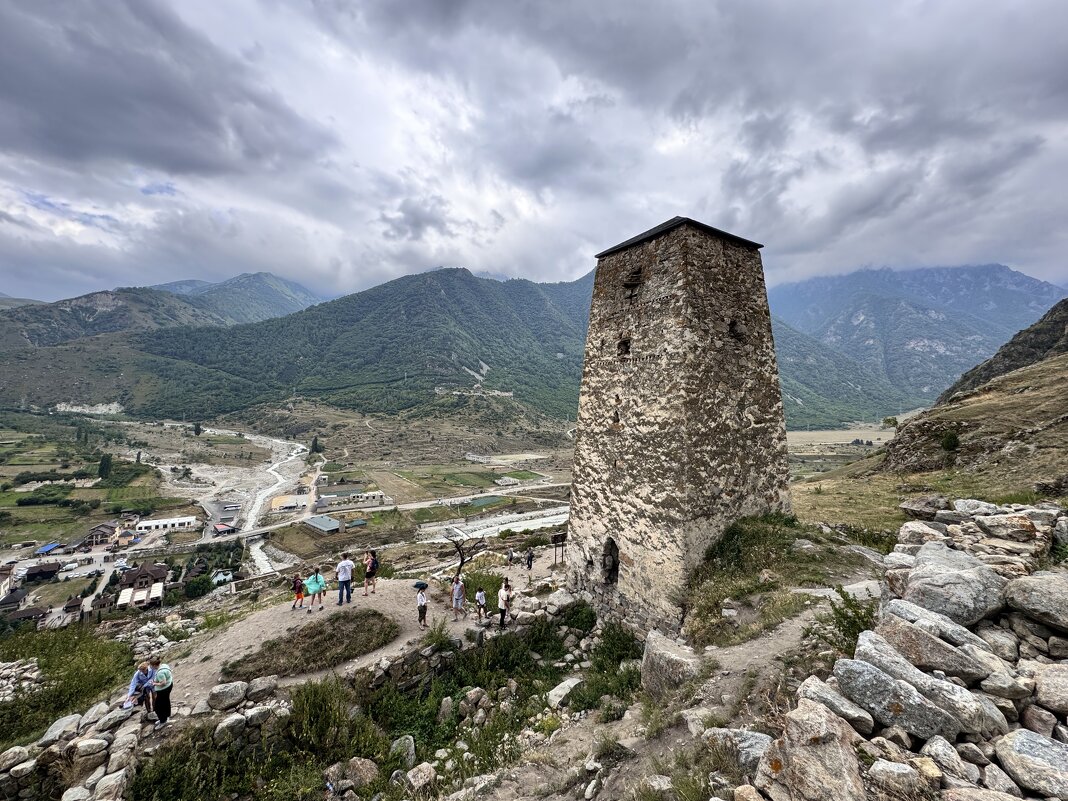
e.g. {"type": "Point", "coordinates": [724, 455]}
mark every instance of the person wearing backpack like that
{"type": "Point", "coordinates": [370, 563]}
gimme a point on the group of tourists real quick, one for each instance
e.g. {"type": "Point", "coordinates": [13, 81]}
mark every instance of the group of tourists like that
{"type": "Point", "coordinates": [151, 687]}
{"type": "Point", "coordinates": [459, 601]}
{"type": "Point", "coordinates": [314, 586]}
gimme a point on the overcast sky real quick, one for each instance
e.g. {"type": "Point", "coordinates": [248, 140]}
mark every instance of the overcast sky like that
{"type": "Point", "coordinates": [341, 144]}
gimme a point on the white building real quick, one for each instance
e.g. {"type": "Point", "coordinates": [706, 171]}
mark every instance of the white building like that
{"type": "Point", "coordinates": [140, 597]}
{"type": "Point", "coordinates": [165, 524]}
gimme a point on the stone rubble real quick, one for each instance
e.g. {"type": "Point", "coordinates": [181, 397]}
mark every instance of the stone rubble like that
{"type": "Point", "coordinates": [20, 676]}
{"type": "Point", "coordinates": [962, 687]}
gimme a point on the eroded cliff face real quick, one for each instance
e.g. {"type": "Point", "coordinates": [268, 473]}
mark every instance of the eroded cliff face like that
{"type": "Point", "coordinates": [680, 427]}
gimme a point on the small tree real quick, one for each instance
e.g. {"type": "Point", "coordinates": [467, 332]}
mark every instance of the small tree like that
{"type": "Point", "coordinates": [315, 446]}
{"type": "Point", "coordinates": [466, 549]}
{"type": "Point", "coordinates": [950, 441]}
{"type": "Point", "coordinates": [104, 468]}
{"type": "Point", "coordinates": [890, 422]}
{"type": "Point", "coordinates": [197, 429]}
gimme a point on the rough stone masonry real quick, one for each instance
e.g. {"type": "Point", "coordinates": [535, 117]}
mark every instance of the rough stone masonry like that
{"type": "Point", "coordinates": [680, 427]}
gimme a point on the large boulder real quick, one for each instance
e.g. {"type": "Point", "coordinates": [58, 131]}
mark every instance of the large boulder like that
{"type": "Point", "coordinates": [112, 787]}
{"type": "Point", "coordinates": [924, 507]}
{"type": "Point", "coordinates": [1051, 687]}
{"type": "Point", "coordinates": [955, 700]}
{"type": "Point", "coordinates": [360, 772]}
{"type": "Point", "coordinates": [814, 760]}
{"type": "Point", "coordinates": [954, 584]}
{"type": "Point", "coordinates": [927, 651]}
{"type": "Point", "coordinates": [1013, 527]}
{"type": "Point", "coordinates": [967, 506]}
{"type": "Point", "coordinates": [893, 702]}
{"type": "Point", "coordinates": [404, 747]}
{"type": "Point", "coordinates": [114, 719]}
{"type": "Point", "coordinates": [748, 745]}
{"type": "Point", "coordinates": [559, 694]}
{"type": "Point", "coordinates": [421, 779]}
{"type": "Point", "coordinates": [1042, 596]}
{"type": "Point", "coordinates": [66, 728]}
{"type": "Point", "coordinates": [666, 666]}
{"type": "Point", "coordinates": [15, 755]}
{"type": "Point", "coordinates": [934, 623]}
{"type": "Point", "coordinates": [975, 794]}
{"type": "Point", "coordinates": [229, 729]}
{"type": "Point", "coordinates": [261, 687]}
{"type": "Point", "coordinates": [1035, 762]}
{"type": "Point", "coordinates": [917, 533]}
{"type": "Point", "coordinates": [819, 691]}
{"type": "Point", "coordinates": [227, 696]}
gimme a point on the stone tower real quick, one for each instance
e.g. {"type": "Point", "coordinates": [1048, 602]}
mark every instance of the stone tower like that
{"type": "Point", "coordinates": [680, 427]}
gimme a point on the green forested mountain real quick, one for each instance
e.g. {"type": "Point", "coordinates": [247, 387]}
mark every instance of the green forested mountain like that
{"type": "Point", "coordinates": [246, 298]}
{"type": "Point", "coordinates": [401, 345]}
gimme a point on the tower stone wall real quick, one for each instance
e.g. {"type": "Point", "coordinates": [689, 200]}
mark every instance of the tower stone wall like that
{"type": "Point", "coordinates": [680, 427]}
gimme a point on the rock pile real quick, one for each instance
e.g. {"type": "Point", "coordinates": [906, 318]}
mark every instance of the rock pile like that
{"type": "Point", "coordinates": [20, 676]}
{"type": "Point", "coordinates": [151, 638]}
{"type": "Point", "coordinates": [962, 688]}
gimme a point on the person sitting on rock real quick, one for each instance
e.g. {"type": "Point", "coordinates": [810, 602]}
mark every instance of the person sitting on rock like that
{"type": "Point", "coordinates": [140, 690]}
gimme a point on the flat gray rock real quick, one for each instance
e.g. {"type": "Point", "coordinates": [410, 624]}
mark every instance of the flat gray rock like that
{"type": "Point", "coordinates": [893, 702]}
{"type": "Point", "coordinates": [954, 584]}
{"type": "Point", "coordinates": [1035, 762]}
{"type": "Point", "coordinates": [819, 691]}
{"type": "Point", "coordinates": [1042, 596]}
{"type": "Point", "coordinates": [928, 652]}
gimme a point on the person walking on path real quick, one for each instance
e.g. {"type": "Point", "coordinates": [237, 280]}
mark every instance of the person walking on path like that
{"type": "Point", "coordinates": [480, 602]}
{"type": "Point", "coordinates": [370, 564]}
{"type": "Point", "coordinates": [530, 559]}
{"type": "Point", "coordinates": [344, 579]}
{"type": "Point", "coordinates": [420, 605]}
{"type": "Point", "coordinates": [162, 685]}
{"type": "Point", "coordinates": [511, 556]}
{"type": "Point", "coordinates": [504, 601]}
{"type": "Point", "coordinates": [315, 584]}
{"type": "Point", "coordinates": [297, 585]}
{"type": "Point", "coordinates": [140, 690]}
{"type": "Point", "coordinates": [459, 595]}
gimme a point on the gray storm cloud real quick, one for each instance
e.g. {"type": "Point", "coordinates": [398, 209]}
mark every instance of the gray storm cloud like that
{"type": "Point", "coordinates": [344, 144]}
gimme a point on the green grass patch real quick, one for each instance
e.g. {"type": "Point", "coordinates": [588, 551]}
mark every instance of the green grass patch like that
{"type": "Point", "coordinates": [605, 678]}
{"type": "Point", "coordinates": [326, 643]}
{"type": "Point", "coordinates": [522, 475]}
{"type": "Point", "coordinates": [79, 667]}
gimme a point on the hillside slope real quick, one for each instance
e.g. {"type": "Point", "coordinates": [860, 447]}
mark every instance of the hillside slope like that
{"type": "Point", "coordinates": [1014, 426]}
{"type": "Point", "coordinates": [1046, 338]}
{"type": "Point", "coordinates": [247, 298]}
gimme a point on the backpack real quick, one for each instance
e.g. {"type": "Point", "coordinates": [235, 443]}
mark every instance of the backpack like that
{"type": "Point", "coordinates": [374, 564]}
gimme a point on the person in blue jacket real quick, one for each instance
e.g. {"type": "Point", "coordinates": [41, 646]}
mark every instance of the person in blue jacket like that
{"type": "Point", "coordinates": [140, 690]}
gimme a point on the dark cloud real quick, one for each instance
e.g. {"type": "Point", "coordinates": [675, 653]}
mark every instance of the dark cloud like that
{"type": "Point", "coordinates": [128, 81]}
{"type": "Point", "coordinates": [342, 144]}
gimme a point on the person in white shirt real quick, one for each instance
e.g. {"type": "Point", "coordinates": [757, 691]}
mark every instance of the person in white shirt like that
{"type": "Point", "coordinates": [480, 602]}
{"type": "Point", "coordinates": [420, 604]}
{"type": "Point", "coordinates": [504, 601]}
{"type": "Point", "coordinates": [344, 579]}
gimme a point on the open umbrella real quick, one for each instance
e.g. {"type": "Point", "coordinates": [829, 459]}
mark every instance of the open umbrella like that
{"type": "Point", "coordinates": [421, 585]}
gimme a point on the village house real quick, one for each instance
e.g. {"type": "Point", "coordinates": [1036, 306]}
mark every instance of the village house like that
{"type": "Point", "coordinates": [143, 576]}
{"type": "Point", "coordinates": [7, 579]}
{"type": "Point", "coordinates": [42, 572]}
{"type": "Point", "coordinates": [73, 606]}
{"type": "Point", "coordinates": [166, 524]}
{"type": "Point", "coordinates": [13, 601]}
{"type": "Point", "coordinates": [30, 613]}
{"type": "Point", "coordinates": [324, 524]}
{"type": "Point", "coordinates": [101, 534]}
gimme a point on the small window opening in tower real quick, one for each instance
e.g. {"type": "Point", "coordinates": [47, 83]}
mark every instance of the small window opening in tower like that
{"type": "Point", "coordinates": [615, 416]}
{"type": "Point", "coordinates": [610, 562]}
{"type": "Point", "coordinates": [738, 331]}
{"type": "Point", "coordinates": [632, 282]}
{"type": "Point", "coordinates": [623, 346]}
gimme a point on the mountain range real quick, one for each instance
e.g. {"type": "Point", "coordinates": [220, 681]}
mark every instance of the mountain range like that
{"type": "Point", "coordinates": [852, 347]}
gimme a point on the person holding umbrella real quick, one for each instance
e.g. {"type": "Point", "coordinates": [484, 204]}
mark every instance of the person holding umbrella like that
{"type": "Point", "coordinates": [420, 602]}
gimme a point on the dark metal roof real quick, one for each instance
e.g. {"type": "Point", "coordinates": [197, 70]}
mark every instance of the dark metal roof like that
{"type": "Point", "coordinates": [675, 222]}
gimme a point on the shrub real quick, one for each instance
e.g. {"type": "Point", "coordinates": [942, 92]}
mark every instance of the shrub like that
{"type": "Point", "coordinates": [579, 615]}
{"type": "Point", "coordinates": [175, 633]}
{"type": "Point", "coordinates": [78, 666]}
{"type": "Point", "coordinates": [438, 635]}
{"type": "Point", "coordinates": [487, 580]}
{"type": "Point", "coordinates": [841, 627]}
{"type": "Point", "coordinates": [950, 441]}
{"type": "Point", "coordinates": [198, 587]}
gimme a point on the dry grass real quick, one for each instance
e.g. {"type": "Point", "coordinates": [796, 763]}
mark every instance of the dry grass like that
{"type": "Point", "coordinates": [326, 643]}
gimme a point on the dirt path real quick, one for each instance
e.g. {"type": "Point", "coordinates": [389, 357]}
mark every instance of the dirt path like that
{"type": "Point", "coordinates": [197, 673]}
